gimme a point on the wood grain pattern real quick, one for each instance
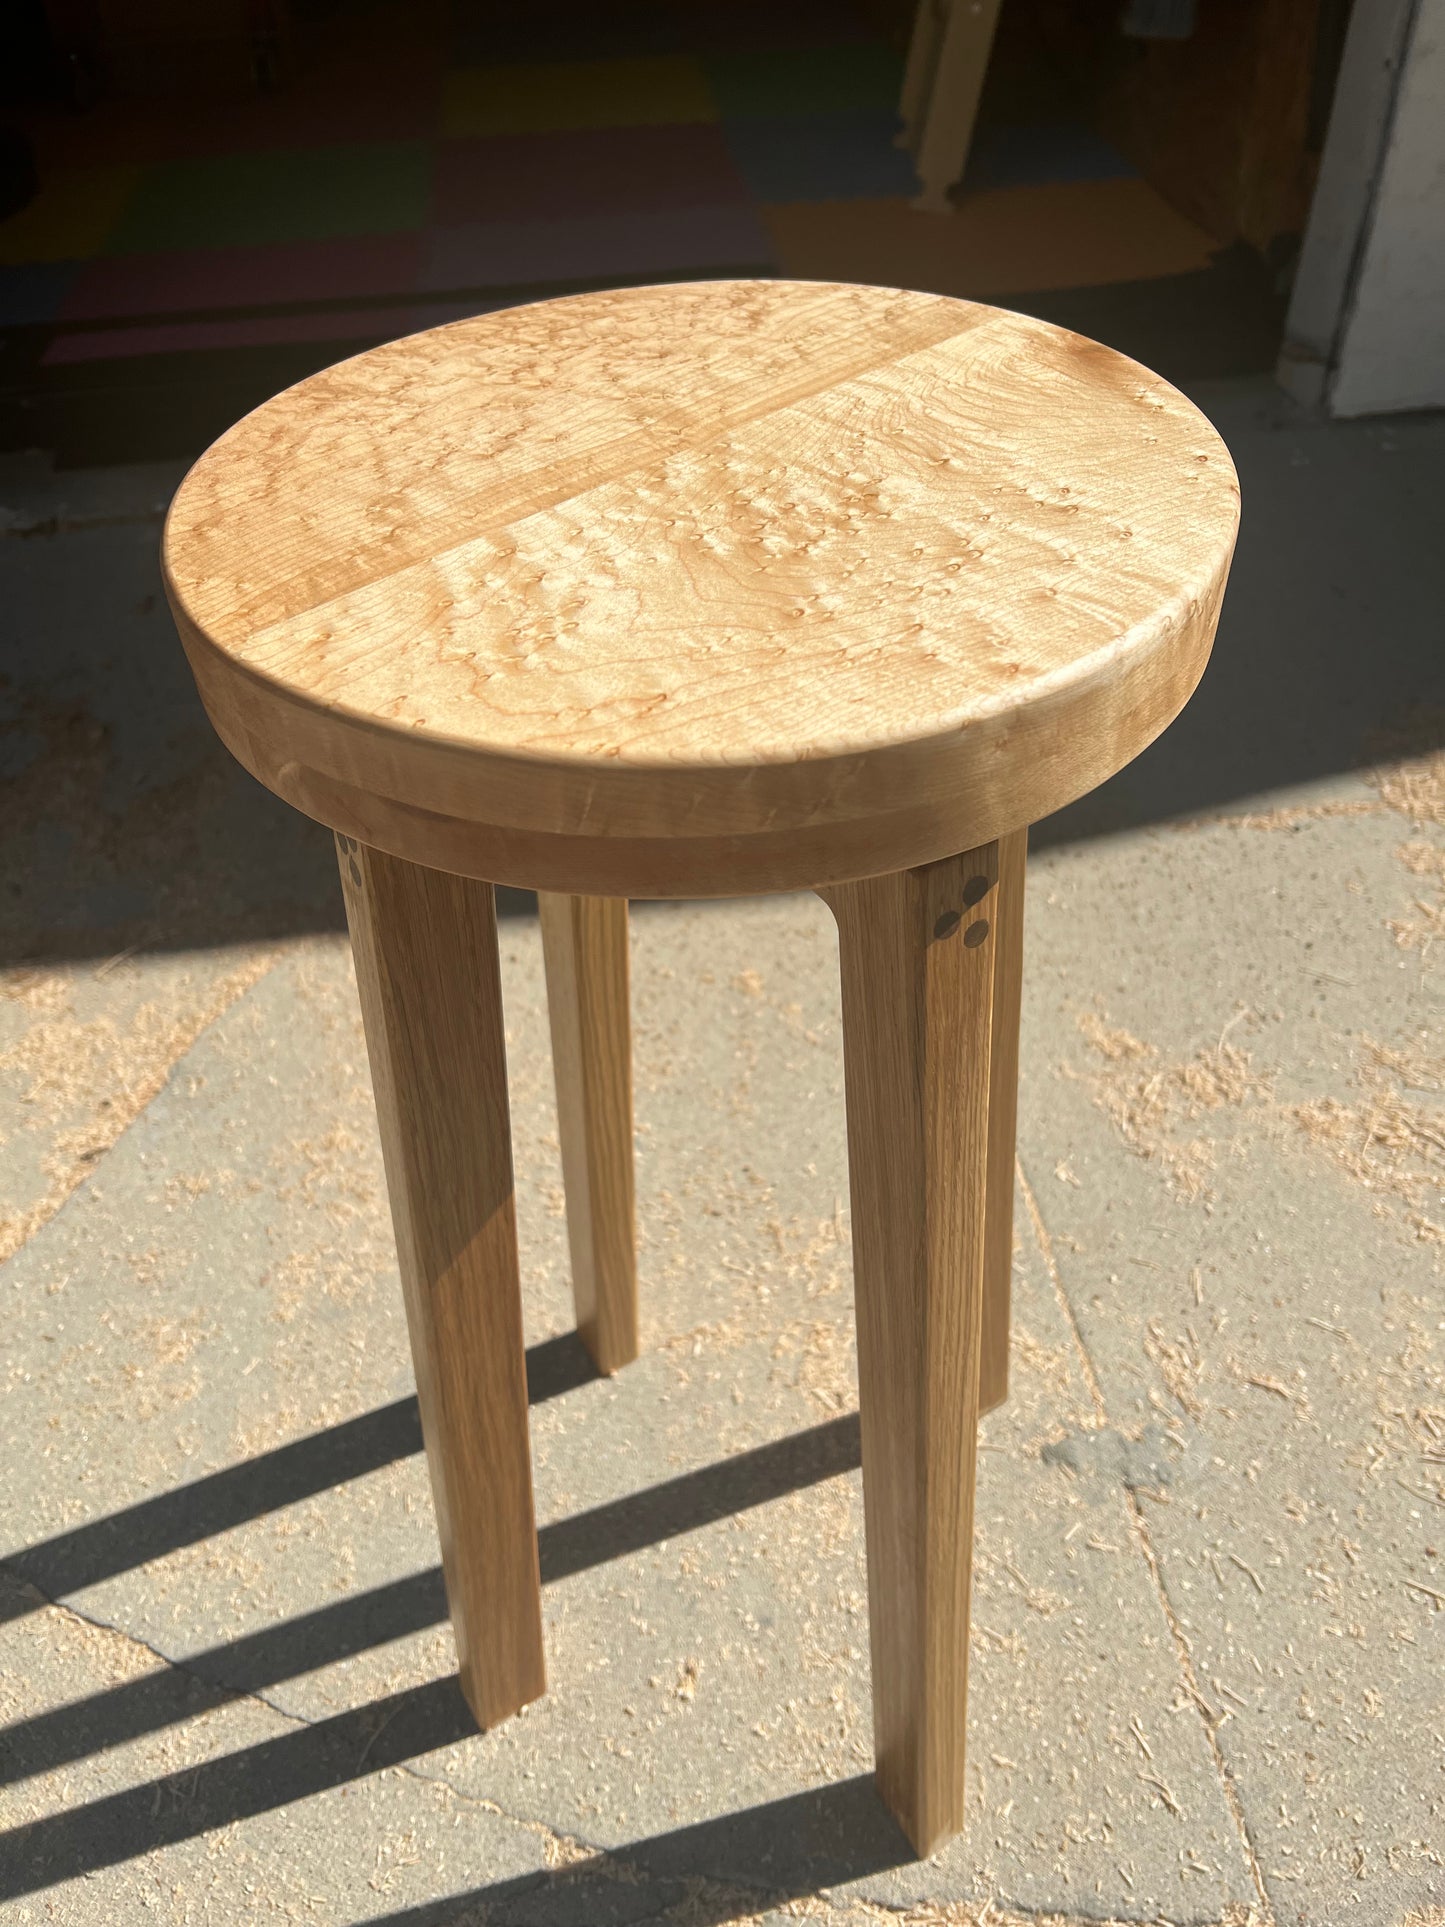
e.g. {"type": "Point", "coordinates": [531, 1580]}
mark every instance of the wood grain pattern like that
{"type": "Point", "coordinates": [425, 946]}
{"type": "Point", "coordinates": [1219, 124]}
{"type": "Point", "coordinates": [917, 959]}
{"type": "Point", "coordinates": [1003, 1104]}
{"type": "Point", "coordinates": [584, 944]}
{"type": "Point", "coordinates": [691, 590]}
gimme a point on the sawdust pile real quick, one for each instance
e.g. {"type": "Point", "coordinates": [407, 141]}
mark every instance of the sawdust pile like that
{"type": "Point", "coordinates": [1390, 1143]}
{"type": "Point", "coordinates": [1409, 779]}
{"type": "Point", "coordinates": [1425, 922]}
{"type": "Point", "coordinates": [83, 1081]}
{"type": "Point", "coordinates": [1414, 787]}
{"type": "Point", "coordinates": [1390, 1140]}
{"type": "Point", "coordinates": [1153, 1105]}
{"type": "Point", "coordinates": [825, 1910]}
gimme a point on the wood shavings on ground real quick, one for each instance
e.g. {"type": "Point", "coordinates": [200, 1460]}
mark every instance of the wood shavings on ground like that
{"type": "Point", "coordinates": [1295, 1395]}
{"type": "Point", "coordinates": [1387, 1142]}
{"type": "Point", "coordinates": [1425, 923]}
{"type": "Point", "coordinates": [824, 1911]}
{"type": "Point", "coordinates": [1049, 1362]}
{"type": "Point", "coordinates": [1151, 1104]}
{"type": "Point", "coordinates": [1416, 1069]}
{"type": "Point", "coordinates": [1414, 784]}
{"type": "Point", "coordinates": [1248, 1570]}
{"type": "Point", "coordinates": [85, 1080]}
{"type": "Point", "coordinates": [1179, 1365]}
{"type": "Point", "coordinates": [1166, 1796]}
{"type": "Point", "coordinates": [1115, 1044]}
{"type": "Point", "coordinates": [1288, 816]}
{"type": "Point", "coordinates": [1039, 1599]}
{"type": "Point", "coordinates": [1414, 787]}
{"type": "Point", "coordinates": [827, 1362]}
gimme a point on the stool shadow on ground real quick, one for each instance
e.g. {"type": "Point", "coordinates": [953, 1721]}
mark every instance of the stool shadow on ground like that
{"type": "Point", "coordinates": [128, 826]}
{"type": "Point", "coordinates": [389, 1731]}
{"type": "Point", "coordinates": [133, 1537]}
{"type": "Point", "coordinates": [209, 858]}
{"type": "Point", "coordinates": [791, 1846]}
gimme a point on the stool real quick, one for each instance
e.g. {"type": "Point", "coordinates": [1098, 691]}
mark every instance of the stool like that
{"type": "Point", "coordinates": [703, 591]}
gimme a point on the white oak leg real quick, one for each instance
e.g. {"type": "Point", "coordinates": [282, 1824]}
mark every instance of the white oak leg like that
{"type": "Point", "coordinates": [425, 945]}
{"type": "Point", "coordinates": [584, 942]}
{"type": "Point", "coordinates": [917, 959]}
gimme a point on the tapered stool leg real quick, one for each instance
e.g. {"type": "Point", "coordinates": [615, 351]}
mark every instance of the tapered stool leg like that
{"type": "Point", "coordinates": [998, 1221]}
{"type": "Point", "coordinates": [584, 943]}
{"type": "Point", "coordinates": [425, 945]}
{"type": "Point", "coordinates": [917, 952]}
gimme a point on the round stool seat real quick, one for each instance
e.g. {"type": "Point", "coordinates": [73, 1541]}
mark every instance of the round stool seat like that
{"type": "Point", "coordinates": [702, 590]}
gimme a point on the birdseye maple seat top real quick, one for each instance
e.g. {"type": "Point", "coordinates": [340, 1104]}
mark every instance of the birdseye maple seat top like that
{"type": "Point", "coordinates": [702, 589]}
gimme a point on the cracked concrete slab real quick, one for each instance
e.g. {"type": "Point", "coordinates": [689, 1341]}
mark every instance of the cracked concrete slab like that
{"type": "Point", "coordinates": [260, 1858]}
{"type": "Point", "coordinates": [707, 1646]}
{"type": "Point", "coordinates": [1279, 1308]}
{"type": "Point", "coordinates": [1205, 1659]}
{"type": "Point", "coordinates": [128, 829]}
{"type": "Point", "coordinates": [82, 1052]}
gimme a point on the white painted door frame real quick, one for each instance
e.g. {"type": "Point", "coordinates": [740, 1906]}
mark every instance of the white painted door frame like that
{"type": "Point", "coordinates": [1365, 331]}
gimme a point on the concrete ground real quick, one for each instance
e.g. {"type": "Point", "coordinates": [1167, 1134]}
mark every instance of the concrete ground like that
{"type": "Point", "coordinates": [1208, 1678]}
